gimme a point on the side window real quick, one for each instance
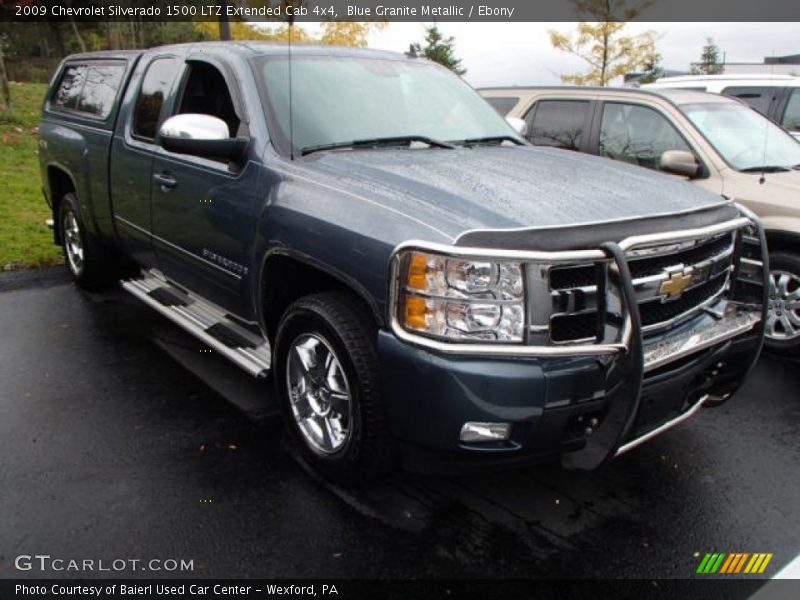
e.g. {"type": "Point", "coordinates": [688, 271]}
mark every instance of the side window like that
{"type": "Point", "coordinates": [502, 104]}
{"type": "Point", "coordinates": [69, 89]}
{"type": "Point", "coordinates": [637, 135]}
{"type": "Point", "coordinates": [206, 92]}
{"type": "Point", "coordinates": [102, 85]}
{"type": "Point", "coordinates": [791, 118]}
{"type": "Point", "coordinates": [558, 123]}
{"type": "Point", "coordinates": [155, 87]}
{"type": "Point", "coordinates": [757, 97]}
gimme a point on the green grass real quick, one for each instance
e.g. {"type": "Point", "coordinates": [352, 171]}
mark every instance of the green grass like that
{"type": "Point", "coordinates": [25, 241]}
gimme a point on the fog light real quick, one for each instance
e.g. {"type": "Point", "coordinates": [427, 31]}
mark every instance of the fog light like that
{"type": "Point", "coordinates": [485, 432]}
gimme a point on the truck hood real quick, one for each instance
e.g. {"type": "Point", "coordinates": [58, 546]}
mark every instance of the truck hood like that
{"type": "Point", "coordinates": [782, 186]}
{"type": "Point", "coordinates": [502, 187]}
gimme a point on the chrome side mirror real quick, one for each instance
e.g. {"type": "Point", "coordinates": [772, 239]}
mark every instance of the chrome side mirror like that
{"type": "Point", "coordinates": [195, 127]}
{"type": "Point", "coordinates": [201, 135]}
{"type": "Point", "coordinates": [679, 162]}
{"type": "Point", "coordinates": [518, 125]}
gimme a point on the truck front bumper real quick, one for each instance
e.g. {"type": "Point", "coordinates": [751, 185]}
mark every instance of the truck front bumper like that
{"type": "Point", "coordinates": [585, 403]}
{"type": "Point", "coordinates": [551, 403]}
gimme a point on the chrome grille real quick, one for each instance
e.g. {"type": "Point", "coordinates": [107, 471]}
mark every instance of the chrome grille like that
{"type": "Point", "coordinates": [671, 283]}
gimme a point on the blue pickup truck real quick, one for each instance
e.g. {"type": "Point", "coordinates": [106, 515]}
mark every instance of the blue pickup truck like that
{"type": "Point", "coordinates": [365, 233]}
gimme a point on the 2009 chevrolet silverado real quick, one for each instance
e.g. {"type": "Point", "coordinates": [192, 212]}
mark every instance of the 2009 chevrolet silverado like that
{"type": "Point", "coordinates": [365, 231]}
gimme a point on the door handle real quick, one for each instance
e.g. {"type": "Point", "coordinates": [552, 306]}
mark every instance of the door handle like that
{"type": "Point", "coordinates": [165, 181]}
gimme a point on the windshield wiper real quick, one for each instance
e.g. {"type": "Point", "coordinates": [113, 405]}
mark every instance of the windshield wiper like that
{"type": "Point", "coordinates": [492, 139]}
{"type": "Point", "coordinates": [766, 169]}
{"type": "Point", "coordinates": [403, 140]}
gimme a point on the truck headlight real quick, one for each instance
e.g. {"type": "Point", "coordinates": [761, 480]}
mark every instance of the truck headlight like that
{"type": "Point", "coordinates": [460, 299]}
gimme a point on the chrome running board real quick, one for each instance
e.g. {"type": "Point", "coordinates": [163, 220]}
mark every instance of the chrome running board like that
{"type": "Point", "coordinates": [207, 322]}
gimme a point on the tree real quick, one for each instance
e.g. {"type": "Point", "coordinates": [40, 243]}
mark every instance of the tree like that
{"type": "Point", "coordinates": [348, 33]}
{"type": "Point", "coordinates": [601, 44]}
{"type": "Point", "coordinates": [5, 91]}
{"type": "Point", "coordinates": [333, 32]}
{"type": "Point", "coordinates": [439, 49]}
{"type": "Point", "coordinates": [710, 63]}
{"type": "Point", "coordinates": [224, 22]}
{"type": "Point", "coordinates": [652, 69]}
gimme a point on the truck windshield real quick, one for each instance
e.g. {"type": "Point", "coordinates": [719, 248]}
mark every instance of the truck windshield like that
{"type": "Point", "coordinates": [745, 139]}
{"type": "Point", "coordinates": [339, 100]}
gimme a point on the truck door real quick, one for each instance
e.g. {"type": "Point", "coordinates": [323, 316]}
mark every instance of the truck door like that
{"type": "Point", "coordinates": [132, 154]}
{"type": "Point", "coordinates": [204, 210]}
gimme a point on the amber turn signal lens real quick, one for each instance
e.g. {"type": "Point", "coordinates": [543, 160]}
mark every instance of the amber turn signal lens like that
{"type": "Point", "coordinates": [416, 311]}
{"type": "Point", "coordinates": [418, 271]}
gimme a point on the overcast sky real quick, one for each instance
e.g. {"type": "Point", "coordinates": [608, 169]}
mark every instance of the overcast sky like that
{"type": "Point", "coordinates": [520, 53]}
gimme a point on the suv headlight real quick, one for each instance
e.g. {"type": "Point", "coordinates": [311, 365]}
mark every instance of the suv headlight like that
{"type": "Point", "coordinates": [461, 299]}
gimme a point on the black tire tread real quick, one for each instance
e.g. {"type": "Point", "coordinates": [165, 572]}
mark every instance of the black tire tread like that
{"type": "Point", "coordinates": [98, 270]}
{"type": "Point", "coordinates": [377, 453]}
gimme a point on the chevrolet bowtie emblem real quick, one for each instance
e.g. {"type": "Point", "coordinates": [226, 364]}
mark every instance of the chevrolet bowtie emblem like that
{"type": "Point", "coordinates": [676, 284]}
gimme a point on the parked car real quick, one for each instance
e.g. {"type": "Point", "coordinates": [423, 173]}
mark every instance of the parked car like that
{"type": "Point", "coordinates": [413, 278]}
{"type": "Point", "coordinates": [716, 142]}
{"type": "Point", "coordinates": [776, 96]}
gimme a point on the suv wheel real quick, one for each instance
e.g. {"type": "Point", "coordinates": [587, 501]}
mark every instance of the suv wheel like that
{"type": "Point", "coordinates": [328, 384]}
{"type": "Point", "coordinates": [783, 321]}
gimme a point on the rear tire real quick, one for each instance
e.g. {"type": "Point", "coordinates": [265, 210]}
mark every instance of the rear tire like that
{"type": "Point", "coordinates": [328, 384]}
{"type": "Point", "coordinates": [85, 258]}
{"type": "Point", "coordinates": [782, 328]}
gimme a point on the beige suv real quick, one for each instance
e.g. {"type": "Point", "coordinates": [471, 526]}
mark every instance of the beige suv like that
{"type": "Point", "coordinates": [717, 142]}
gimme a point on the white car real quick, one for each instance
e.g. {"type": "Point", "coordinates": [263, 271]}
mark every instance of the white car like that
{"type": "Point", "coordinates": [776, 96]}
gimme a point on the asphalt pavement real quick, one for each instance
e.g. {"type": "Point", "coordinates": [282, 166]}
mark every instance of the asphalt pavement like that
{"type": "Point", "coordinates": [121, 438]}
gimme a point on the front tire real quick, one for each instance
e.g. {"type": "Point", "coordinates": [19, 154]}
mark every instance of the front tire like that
{"type": "Point", "coordinates": [782, 328]}
{"type": "Point", "coordinates": [328, 384]}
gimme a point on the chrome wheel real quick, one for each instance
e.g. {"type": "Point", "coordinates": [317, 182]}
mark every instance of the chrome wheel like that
{"type": "Point", "coordinates": [783, 317]}
{"type": "Point", "coordinates": [319, 394]}
{"type": "Point", "coordinates": [73, 245]}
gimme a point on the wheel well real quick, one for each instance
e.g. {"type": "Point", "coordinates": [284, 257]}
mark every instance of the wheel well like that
{"type": "Point", "coordinates": [783, 240]}
{"type": "Point", "coordinates": [60, 184]}
{"type": "Point", "coordinates": [286, 279]}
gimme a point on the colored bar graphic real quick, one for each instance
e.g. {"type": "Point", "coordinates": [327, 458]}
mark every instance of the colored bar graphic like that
{"type": "Point", "coordinates": [764, 564]}
{"type": "Point", "coordinates": [741, 562]}
{"type": "Point", "coordinates": [720, 562]}
{"type": "Point", "coordinates": [728, 563]}
{"type": "Point", "coordinates": [757, 565]}
{"type": "Point", "coordinates": [703, 563]}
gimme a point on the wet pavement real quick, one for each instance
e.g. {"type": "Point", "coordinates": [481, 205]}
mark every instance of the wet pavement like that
{"type": "Point", "coordinates": [120, 438]}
